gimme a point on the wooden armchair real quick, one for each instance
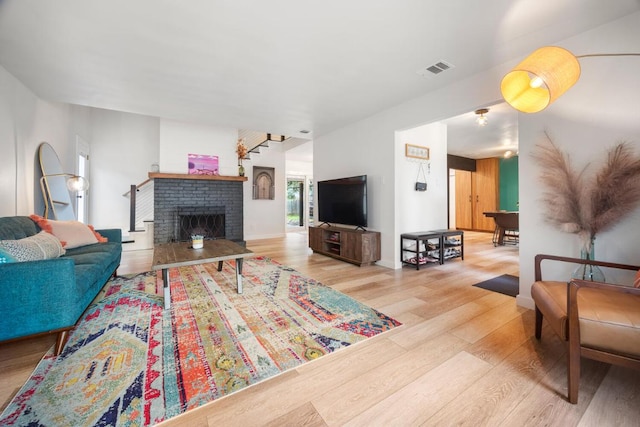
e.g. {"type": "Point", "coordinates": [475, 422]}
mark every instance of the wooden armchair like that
{"type": "Point", "coordinates": [599, 321]}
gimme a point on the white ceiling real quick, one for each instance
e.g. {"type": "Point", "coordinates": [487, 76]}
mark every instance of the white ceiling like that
{"type": "Point", "coordinates": [468, 139]}
{"type": "Point", "coordinates": [277, 66]}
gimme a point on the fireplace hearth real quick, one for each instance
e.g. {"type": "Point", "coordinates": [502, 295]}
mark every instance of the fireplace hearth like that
{"type": "Point", "coordinates": [211, 206]}
{"type": "Point", "coordinates": [204, 221]}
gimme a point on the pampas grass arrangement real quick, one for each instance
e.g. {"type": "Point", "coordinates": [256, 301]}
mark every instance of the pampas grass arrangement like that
{"type": "Point", "coordinates": [588, 206]}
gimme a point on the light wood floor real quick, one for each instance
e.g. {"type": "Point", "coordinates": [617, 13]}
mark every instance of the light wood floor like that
{"type": "Point", "coordinates": [464, 356]}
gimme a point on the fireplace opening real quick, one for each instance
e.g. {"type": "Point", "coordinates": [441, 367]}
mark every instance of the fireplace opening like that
{"type": "Point", "coordinates": [207, 222]}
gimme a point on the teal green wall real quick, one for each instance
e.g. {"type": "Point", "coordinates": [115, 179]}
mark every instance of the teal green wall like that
{"type": "Point", "coordinates": [509, 184]}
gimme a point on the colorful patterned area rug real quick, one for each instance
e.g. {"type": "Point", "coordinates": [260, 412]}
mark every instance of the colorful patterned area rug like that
{"type": "Point", "coordinates": [131, 363]}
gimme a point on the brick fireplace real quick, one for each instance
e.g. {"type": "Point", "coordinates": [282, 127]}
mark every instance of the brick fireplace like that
{"type": "Point", "coordinates": [202, 204]}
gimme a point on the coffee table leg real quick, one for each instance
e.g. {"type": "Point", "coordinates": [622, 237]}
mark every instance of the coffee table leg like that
{"type": "Point", "coordinates": [167, 288]}
{"type": "Point", "coordinates": [219, 265]}
{"type": "Point", "coordinates": [239, 274]}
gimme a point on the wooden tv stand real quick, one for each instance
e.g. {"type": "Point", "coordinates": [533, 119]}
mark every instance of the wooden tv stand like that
{"type": "Point", "coordinates": [355, 246]}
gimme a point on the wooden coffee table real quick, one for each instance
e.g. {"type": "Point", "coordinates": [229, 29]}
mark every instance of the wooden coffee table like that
{"type": "Point", "coordinates": [179, 254]}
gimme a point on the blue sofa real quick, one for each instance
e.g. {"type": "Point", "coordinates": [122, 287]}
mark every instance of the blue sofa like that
{"type": "Point", "coordinates": [49, 296]}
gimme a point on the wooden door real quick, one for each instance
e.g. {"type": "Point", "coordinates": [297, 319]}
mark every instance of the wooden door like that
{"type": "Point", "coordinates": [485, 185]}
{"type": "Point", "coordinates": [463, 200]}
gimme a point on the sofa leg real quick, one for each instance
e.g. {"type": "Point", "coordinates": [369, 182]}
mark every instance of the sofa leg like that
{"type": "Point", "coordinates": [61, 340]}
{"type": "Point", "coordinates": [538, 323]}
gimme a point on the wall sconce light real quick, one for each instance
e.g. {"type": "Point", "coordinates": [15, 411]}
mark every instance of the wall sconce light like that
{"type": "Point", "coordinates": [482, 119]}
{"type": "Point", "coordinates": [542, 77]}
{"type": "Point", "coordinates": [508, 154]}
{"type": "Point", "coordinates": [74, 184]}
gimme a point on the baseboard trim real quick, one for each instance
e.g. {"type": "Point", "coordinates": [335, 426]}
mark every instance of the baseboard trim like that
{"type": "Point", "coordinates": [264, 236]}
{"type": "Point", "coordinates": [526, 302]}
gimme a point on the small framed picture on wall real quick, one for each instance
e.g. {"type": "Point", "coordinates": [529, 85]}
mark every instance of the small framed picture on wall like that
{"type": "Point", "coordinates": [264, 183]}
{"type": "Point", "coordinates": [416, 151]}
{"type": "Point", "coordinates": [203, 164]}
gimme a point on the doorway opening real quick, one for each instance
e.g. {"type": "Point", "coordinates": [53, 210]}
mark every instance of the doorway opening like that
{"type": "Point", "coordinates": [82, 169]}
{"type": "Point", "coordinates": [299, 203]}
{"type": "Point", "coordinates": [295, 213]}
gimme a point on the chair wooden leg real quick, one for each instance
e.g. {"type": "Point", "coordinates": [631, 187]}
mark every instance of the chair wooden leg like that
{"type": "Point", "coordinates": [573, 374]}
{"type": "Point", "coordinates": [538, 323]}
{"type": "Point", "coordinates": [61, 340]}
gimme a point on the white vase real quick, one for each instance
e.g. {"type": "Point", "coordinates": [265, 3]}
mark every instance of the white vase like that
{"type": "Point", "coordinates": [197, 243]}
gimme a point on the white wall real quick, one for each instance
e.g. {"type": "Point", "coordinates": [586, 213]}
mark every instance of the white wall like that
{"type": "Point", "coordinates": [299, 168]}
{"type": "Point", "coordinates": [601, 108]}
{"type": "Point", "coordinates": [265, 218]}
{"type": "Point", "coordinates": [179, 139]}
{"type": "Point", "coordinates": [262, 218]}
{"type": "Point", "coordinates": [599, 111]}
{"type": "Point", "coordinates": [363, 148]}
{"type": "Point", "coordinates": [415, 210]}
{"type": "Point", "coordinates": [118, 141]}
{"type": "Point", "coordinates": [369, 147]}
{"type": "Point", "coordinates": [25, 122]}
{"type": "Point", "coordinates": [123, 147]}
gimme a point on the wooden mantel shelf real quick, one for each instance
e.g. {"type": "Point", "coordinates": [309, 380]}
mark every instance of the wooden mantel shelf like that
{"type": "Point", "coordinates": [154, 175]}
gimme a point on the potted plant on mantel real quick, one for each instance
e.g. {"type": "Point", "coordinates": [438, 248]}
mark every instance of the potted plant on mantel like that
{"type": "Point", "coordinates": [588, 206]}
{"type": "Point", "coordinates": [241, 150]}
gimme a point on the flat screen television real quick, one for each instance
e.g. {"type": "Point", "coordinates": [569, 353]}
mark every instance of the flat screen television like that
{"type": "Point", "coordinates": [343, 201]}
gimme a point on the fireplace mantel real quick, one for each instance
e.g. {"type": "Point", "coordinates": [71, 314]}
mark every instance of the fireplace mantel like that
{"type": "Point", "coordinates": [154, 175]}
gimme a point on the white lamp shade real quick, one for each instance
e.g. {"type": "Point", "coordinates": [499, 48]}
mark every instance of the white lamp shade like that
{"type": "Point", "coordinates": [540, 79]}
{"type": "Point", "coordinates": [77, 183]}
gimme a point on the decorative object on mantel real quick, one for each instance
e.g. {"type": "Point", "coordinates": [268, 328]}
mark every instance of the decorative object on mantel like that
{"type": "Point", "coordinates": [241, 150]}
{"type": "Point", "coordinates": [203, 164]}
{"type": "Point", "coordinates": [590, 206]}
{"type": "Point", "coordinates": [163, 175]}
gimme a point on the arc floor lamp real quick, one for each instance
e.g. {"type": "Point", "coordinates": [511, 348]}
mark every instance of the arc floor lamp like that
{"type": "Point", "coordinates": [73, 182]}
{"type": "Point", "coordinates": [542, 77]}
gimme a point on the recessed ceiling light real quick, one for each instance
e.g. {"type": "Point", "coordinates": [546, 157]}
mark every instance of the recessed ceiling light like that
{"type": "Point", "coordinates": [305, 131]}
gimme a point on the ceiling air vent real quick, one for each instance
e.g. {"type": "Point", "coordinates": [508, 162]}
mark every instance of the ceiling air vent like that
{"type": "Point", "coordinates": [435, 69]}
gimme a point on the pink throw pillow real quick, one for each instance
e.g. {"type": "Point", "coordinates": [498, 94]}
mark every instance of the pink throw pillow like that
{"type": "Point", "coordinates": [72, 234]}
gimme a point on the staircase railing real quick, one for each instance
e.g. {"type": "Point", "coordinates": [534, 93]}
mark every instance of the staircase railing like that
{"type": "Point", "coordinates": [255, 148]}
{"type": "Point", "coordinates": [140, 203]}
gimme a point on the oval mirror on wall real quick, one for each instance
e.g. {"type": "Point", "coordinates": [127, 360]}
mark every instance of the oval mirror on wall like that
{"type": "Point", "coordinates": [57, 199]}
